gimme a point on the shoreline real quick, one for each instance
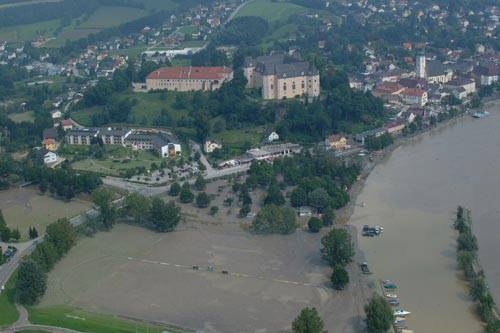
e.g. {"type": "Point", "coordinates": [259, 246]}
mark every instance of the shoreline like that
{"type": "Point", "coordinates": [345, 214]}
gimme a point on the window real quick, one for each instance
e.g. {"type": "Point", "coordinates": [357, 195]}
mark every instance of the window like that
{"type": "Point", "coordinates": [293, 85]}
{"type": "Point", "coordinates": [284, 86]}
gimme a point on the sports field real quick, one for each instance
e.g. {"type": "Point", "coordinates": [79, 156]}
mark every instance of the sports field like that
{"type": "Point", "coordinates": [270, 10]}
{"type": "Point", "coordinates": [25, 207]}
{"type": "Point", "coordinates": [134, 272]}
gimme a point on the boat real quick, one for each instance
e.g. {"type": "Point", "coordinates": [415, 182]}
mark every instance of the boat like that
{"type": "Point", "coordinates": [364, 268]}
{"type": "Point", "coordinates": [480, 114]}
{"type": "Point", "coordinates": [393, 296]}
{"type": "Point", "coordinates": [400, 322]}
{"type": "Point", "coordinates": [393, 302]}
{"type": "Point", "coordinates": [389, 285]}
{"type": "Point", "coordinates": [401, 313]}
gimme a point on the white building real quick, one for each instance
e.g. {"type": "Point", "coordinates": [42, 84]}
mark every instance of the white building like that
{"type": "Point", "coordinates": [210, 146]}
{"type": "Point", "coordinates": [273, 136]}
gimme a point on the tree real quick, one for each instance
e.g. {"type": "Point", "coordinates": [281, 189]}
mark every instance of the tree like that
{"type": "Point", "coordinates": [298, 197]}
{"type": "Point", "coordinates": [328, 216]}
{"type": "Point", "coordinates": [379, 315]}
{"type": "Point", "coordinates": [137, 206]}
{"type": "Point", "coordinates": [274, 195]}
{"type": "Point", "coordinates": [244, 211]}
{"type": "Point", "coordinates": [175, 189]}
{"type": "Point", "coordinates": [308, 321]}
{"type": "Point", "coordinates": [46, 255]}
{"type": "Point", "coordinates": [337, 247]}
{"type": "Point", "coordinates": [319, 198]}
{"type": "Point", "coordinates": [493, 326]}
{"type": "Point", "coordinates": [103, 199]}
{"type": "Point", "coordinates": [274, 219]}
{"type": "Point", "coordinates": [200, 183]}
{"type": "Point", "coordinates": [214, 210]}
{"type": "Point", "coordinates": [165, 216]}
{"type": "Point", "coordinates": [62, 235]}
{"type": "Point", "coordinates": [186, 196]}
{"type": "Point", "coordinates": [314, 224]}
{"type": "Point", "coordinates": [31, 283]}
{"type": "Point", "coordinates": [202, 200]}
{"type": "Point", "coordinates": [33, 233]}
{"type": "Point", "coordinates": [339, 278]}
{"type": "Point", "coordinates": [15, 235]}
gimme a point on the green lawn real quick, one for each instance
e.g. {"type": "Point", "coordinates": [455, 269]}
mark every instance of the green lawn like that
{"type": "Point", "coordinates": [188, 29]}
{"type": "Point", "coordinates": [23, 3]}
{"type": "Point", "coordinates": [145, 112]}
{"type": "Point", "coordinates": [83, 321]}
{"type": "Point", "coordinates": [240, 138]}
{"type": "Point", "coordinates": [31, 331]}
{"type": "Point", "coordinates": [158, 4]}
{"type": "Point", "coordinates": [28, 116]}
{"type": "Point", "coordinates": [118, 158]}
{"type": "Point", "coordinates": [8, 311]}
{"type": "Point", "coordinates": [270, 10]}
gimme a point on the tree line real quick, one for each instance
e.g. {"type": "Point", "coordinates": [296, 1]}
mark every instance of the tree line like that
{"type": "Point", "coordinates": [468, 262]}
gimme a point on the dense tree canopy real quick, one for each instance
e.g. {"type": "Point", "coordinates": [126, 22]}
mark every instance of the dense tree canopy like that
{"type": "Point", "coordinates": [308, 321]}
{"type": "Point", "coordinates": [274, 219]}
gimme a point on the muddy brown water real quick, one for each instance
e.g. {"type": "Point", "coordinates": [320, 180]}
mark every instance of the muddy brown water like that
{"type": "Point", "coordinates": [413, 194]}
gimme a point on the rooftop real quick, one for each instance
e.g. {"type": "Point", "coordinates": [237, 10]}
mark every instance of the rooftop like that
{"type": "Point", "coordinates": [190, 72]}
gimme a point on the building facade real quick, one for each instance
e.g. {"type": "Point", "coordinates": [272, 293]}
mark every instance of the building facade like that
{"type": "Point", "coordinates": [280, 77]}
{"type": "Point", "coordinates": [188, 78]}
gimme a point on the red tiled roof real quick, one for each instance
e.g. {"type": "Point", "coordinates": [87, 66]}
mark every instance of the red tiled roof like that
{"type": "Point", "coordinates": [414, 92]}
{"type": "Point", "coordinates": [190, 72]}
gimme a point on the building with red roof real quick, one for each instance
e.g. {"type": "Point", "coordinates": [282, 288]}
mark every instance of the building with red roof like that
{"type": "Point", "coordinates": [188, 78]}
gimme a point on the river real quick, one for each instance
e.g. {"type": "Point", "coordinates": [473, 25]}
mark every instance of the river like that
{"type": "Point", "coordinates": [413, 194]}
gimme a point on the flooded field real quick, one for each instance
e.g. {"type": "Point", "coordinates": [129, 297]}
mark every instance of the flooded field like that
{"type": "Point", "coordinates": [413, 194]}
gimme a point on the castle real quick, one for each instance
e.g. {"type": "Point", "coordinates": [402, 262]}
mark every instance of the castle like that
{"type": "Point", "coordinates": [281, 77]}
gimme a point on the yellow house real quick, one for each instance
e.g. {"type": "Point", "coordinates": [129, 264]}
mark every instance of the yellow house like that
{"type": "Point", "coordinates": [336, 141]}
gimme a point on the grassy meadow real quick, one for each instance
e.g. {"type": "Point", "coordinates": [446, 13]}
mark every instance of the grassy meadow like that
{"type": "Point", "coordinates": [270, 10]}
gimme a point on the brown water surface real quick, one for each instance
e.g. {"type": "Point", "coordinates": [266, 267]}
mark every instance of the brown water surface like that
{"type": "Point", "coordinates": [413, 195]}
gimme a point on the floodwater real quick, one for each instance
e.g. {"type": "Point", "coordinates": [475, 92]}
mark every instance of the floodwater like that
{"type": "Point", "coordinates": [413, 194]}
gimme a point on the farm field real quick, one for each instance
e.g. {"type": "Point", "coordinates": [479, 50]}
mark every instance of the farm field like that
{"type": "Point", "coordinates": [25, 207]}
{"type": "Point", "coordinates": [104, 17]}
{"type": "Point", "coordinates": [132, 271]}
{"type": "Point", "coordinates": [25, 32]}
{"type": "Point", "coordinates": [24, 3]}
{"type": "Point", "coordinates": [270, 10]}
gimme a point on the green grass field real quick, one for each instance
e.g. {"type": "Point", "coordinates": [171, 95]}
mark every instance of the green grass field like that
{"type": "Point", "coordinates": [25, 32]}
{"type": "Point", "coordinates": [83, 321]}
{"type": "Point", "coordinates": [31, 331]}
{"type": "Point", "coordinates": [158, 4]}
{"type": "Point", "coordinates": [118, 158]}
{"type": "Point", "coordinates": [270, 10]}
{"type": "Point", "coordinates": [28, 116]}
{"type": "Point", "coordinates": [8, 311]}
{"type": "Point", "coordinates": [238, 140]}
{"type": "Point", "coordinates": [145, 112]}
{"type": "Point", "coordinates": [24, 3]}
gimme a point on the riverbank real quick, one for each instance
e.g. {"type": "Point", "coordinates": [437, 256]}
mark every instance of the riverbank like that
{"type": "Point", "coordinates": [415, 218]}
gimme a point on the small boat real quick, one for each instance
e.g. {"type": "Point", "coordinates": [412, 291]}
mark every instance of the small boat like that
{"type": "Point", "coordinates": [393, 302]}
{"type": "Point", "coordinates": [480, 114]}
{"type": "Point", "coordinates": [364, 268]}
{"type": "Point", "coordinates": [393, 296]}
{"type": "Point", "coordinates": [400, 322]}
{"type": "Point", "coordinates": [389, 285]}
{"type": "Point", "coordinates": [401, 313]}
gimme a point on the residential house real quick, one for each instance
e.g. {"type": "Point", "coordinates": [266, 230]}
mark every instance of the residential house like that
{"type": "Point", "coordinates": [377, 132]}
{"type": "Point", "coordinates": [273, 136]}
{"type": "Point", "coordinates": [414, 96]}
{"type": "Point", "coordinates": [394, 127]}
{"type": "Point", "coordinates": [487, 74]}
{"type": "Point", "coordinates": [270, 152]}
{"type": "Point", "coordinates": [336, 141]}
{"type": "Point", "coordinates": [210, 146]}
{"type": "Point", "coordinates": [468, 85]}
{"type": "Point", "coordinates": [388, 91]}
{"type": "Point", "coordinates": [66, 124]}
{"type": "Point", "coordinates": [110, 136]}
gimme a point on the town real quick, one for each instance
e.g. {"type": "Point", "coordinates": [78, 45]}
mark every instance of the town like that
{"type": "Point", "coordinates": [145, 154]}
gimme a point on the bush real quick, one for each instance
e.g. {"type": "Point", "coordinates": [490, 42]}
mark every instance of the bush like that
{"type": "Point", "coordinates": [337, 247]}
{"type": "Point", "coordinates": [202, 200]}
{"type": "Point", "coordinates": [175, 189]}
{"type": "Point", "coordinates": [314, 224]}
{"type": "Point", "coordinates": [186, 196]}
{"type": "Point", "coordinates": [308, 321]}
{"type": "Point", "coordinates": [214, 210]}
{"type": "Point", "coordinates": [379, 315]}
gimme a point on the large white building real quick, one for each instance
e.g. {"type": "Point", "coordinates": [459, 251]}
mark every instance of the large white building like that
{"type": "Point", "coordinates": [421, 70]}
{"type": "Point", "coordinates": [188, 78]}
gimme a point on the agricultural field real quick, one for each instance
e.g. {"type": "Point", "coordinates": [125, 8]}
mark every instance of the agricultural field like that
{"type": "Point", "coordinates": [270, 10]}
{"type": "Point", "coordinates": [20, 33]}
{"type": "Point", "coordinates": [158, 4]}
{"type": "Point", "coordinates": [24, 3]}
{"type": "Point", "coordinates": [104, 17]}
{"type": "Point", "coordinates": [25, 207]}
